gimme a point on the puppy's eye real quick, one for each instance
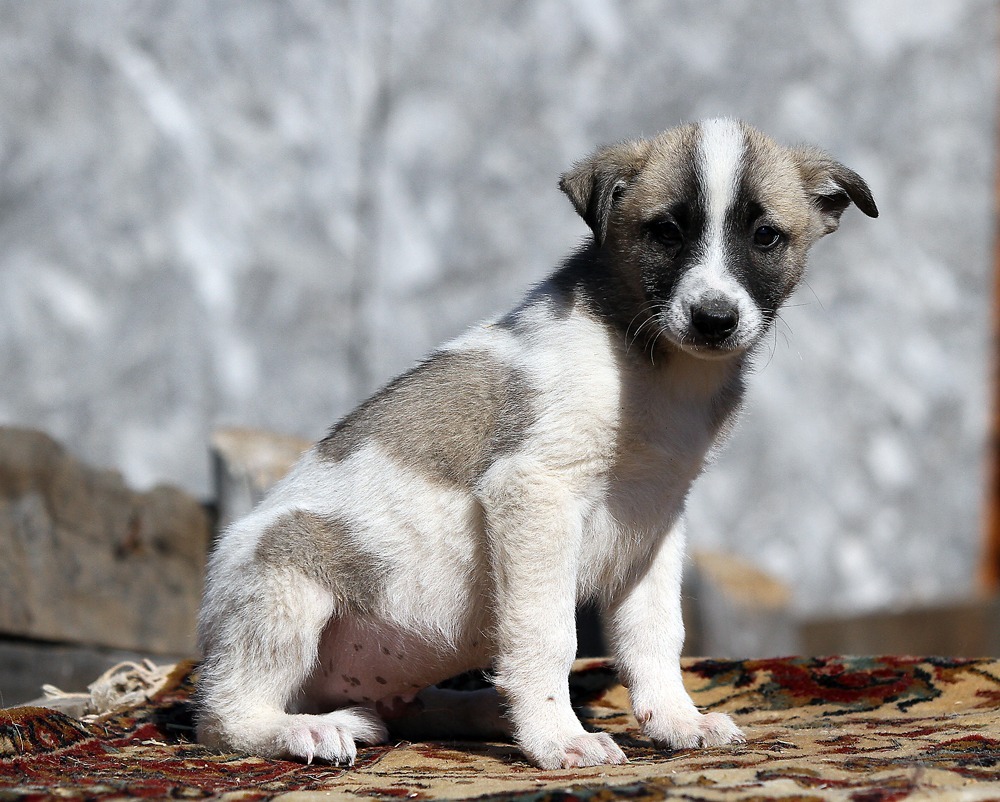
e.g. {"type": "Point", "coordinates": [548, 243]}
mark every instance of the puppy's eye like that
{"type": "Point", "coordinates": [766, 237]}
{"type": "Point", "coordinates": [668, 233]}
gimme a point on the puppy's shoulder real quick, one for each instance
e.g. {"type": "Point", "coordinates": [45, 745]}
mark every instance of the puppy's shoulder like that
{"type": "Point", "coordinates": [570, 362]}
{"type": "Point", "coordinates": [572, 347]}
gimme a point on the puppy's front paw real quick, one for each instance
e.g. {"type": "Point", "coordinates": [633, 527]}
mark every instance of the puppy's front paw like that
{"type": "Point", "coordinates": [690, 730]}
{"type": "Point", "coordinates": [585, 749]}
{"type": "Point", "coordinates": [592, 749]}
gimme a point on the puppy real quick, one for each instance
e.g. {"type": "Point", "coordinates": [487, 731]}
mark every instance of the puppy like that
{"type": "Point", "coordinates": [456, 519]}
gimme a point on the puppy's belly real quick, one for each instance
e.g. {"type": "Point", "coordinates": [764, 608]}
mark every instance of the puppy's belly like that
{"type": "Point", "coordinates": [363, 662]}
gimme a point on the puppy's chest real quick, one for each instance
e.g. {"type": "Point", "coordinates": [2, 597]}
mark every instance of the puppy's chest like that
{"type": "Point", "coordinates": [663, 434]}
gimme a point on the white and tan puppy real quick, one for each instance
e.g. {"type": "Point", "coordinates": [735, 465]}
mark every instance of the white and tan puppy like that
{"type": "Point", "coordinates": [456, 518]}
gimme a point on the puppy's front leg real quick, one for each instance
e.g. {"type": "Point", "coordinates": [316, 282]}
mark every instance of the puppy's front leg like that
{"type": "Point", "coordinates": [647, 633]}
{"type": "Point", "coordinates": [534, 528]}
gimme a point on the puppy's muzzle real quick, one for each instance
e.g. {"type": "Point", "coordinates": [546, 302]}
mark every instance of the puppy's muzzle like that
{"type": "Point", "coordinates": [714, 319]}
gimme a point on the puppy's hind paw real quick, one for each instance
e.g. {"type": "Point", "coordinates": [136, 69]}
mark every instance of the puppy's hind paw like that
{"type": "Point", "coordinates": [330, 737]}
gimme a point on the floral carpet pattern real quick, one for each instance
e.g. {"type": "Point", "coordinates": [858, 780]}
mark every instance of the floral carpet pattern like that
{"type": "Point", "coordinates": [871, 729]}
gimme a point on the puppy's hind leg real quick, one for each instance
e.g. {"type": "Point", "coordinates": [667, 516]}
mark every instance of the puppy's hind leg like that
{"type": "Point", "coordinates": [260, 641]}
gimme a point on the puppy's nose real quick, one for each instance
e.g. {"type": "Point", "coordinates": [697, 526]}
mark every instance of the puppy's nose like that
{"type": "Point", "coordinates": [715, 319]}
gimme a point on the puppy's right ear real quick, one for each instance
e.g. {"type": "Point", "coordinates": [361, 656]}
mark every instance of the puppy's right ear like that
{"type": "Point", "coordinates": [594, 184]}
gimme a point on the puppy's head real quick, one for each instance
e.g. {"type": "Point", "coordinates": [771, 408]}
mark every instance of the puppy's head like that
{"type": "Point", "coordinates": [707, 227]}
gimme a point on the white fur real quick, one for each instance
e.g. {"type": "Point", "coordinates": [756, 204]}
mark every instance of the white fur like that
{"type": "Point", "coordinates": [587, 505]}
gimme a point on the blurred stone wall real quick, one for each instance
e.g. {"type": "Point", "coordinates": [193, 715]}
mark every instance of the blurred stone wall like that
{"type": "Point", "coordinates": [253, 213]}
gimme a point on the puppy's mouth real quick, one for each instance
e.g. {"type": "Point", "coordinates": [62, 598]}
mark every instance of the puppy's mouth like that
{"type": "Point", "coordinates": [713, 329]}
{"type": "Point", "coordinates": [707, 349]}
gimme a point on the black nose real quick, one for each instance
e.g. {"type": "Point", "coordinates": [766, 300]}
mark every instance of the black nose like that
{"type": "Point", "coordinates": [714, 320]}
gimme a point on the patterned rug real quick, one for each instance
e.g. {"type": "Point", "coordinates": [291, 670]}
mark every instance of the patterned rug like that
{"type": "Point", "coordinates": [861, 729]}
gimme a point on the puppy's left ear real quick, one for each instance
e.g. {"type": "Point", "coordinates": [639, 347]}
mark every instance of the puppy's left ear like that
{"type": "Point", "coordinates": [594, 184]}
{"type": "Point", "coordinates": [832, 187]}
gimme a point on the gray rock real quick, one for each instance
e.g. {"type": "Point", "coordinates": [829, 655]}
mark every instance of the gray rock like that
{"type": "Point", "coordinates": [87, 560]}
{"type": "Point", "coordinates": [738, 610]}
{"type": "Point", "coordinates": [247, 463]}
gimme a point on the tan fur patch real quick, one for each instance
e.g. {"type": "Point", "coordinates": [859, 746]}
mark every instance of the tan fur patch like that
{"type": "Point", "coordinates": [773, 175]}
{"type": "Point", "coordinates": [326, 550]}
{"type": "Point", "coordinates": [447, 418]}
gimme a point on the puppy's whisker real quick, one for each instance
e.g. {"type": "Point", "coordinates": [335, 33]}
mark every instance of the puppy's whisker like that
{"type": "Point", "coordinates": [660, 334]}
{"type": "Point", "coordinates": [778, 318]}
{"type": "Point", "coordinates": [649, 309]}
{"type": "Point", "coordinates": [808, 286]}
{"type": "Point", "coordinates": [638, 331]}
{"type": "Point", "coordinates": [772, 348]}
{"type": "Point", "coordinates": [650, 342]}
{"type": "Point", "coordinates": [644, 309]}
{"type": "Point", "coordinates": [630, 340]}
